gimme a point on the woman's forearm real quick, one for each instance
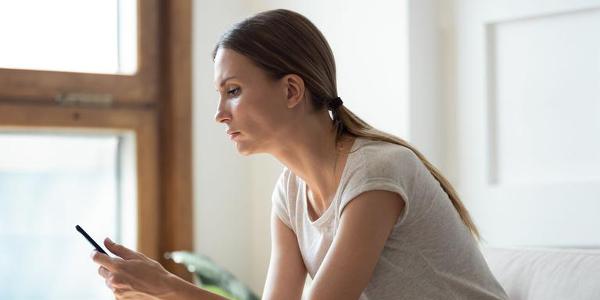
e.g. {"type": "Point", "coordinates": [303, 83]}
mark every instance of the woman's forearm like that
{"type": "Point", "coordinates": [183, 290]}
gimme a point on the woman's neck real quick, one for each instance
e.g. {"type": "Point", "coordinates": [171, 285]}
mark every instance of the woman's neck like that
{"type": "Point", "coordinates": [314, 155]}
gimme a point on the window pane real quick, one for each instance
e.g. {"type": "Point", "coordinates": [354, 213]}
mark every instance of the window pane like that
{"type": "Point", "coordinates": [91, 36]}
{"type": "Point", "coordinates": [48, 184]}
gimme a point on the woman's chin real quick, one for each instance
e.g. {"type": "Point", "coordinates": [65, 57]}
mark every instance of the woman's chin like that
{"type": "Point", "coordinates": [248, 147]}
{"type": "Point", "coordinates": [244, 150]}
{"type": "Point", "coordinates": [245, 153]}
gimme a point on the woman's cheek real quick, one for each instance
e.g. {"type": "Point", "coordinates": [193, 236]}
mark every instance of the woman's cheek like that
{"type": "Point", "coordinates": [236, 106]}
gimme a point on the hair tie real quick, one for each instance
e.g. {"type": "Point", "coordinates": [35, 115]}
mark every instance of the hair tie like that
{"type": "Point", "coordinates": [335, 103]}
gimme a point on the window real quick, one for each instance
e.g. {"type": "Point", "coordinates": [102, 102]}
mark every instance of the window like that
{"type": "Point", "coordinates": [93, 36]}
{"type": "Point", "coordinates": [49, 183]}
{"type": "Point", "coordinates": [126, 117]}
{"type": "Point", "coordinates": [52, 48]}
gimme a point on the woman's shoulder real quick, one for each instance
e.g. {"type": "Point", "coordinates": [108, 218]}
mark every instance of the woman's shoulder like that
{"type": "Point", "coordinates": [379, 163]}
{"type": "Point", "coordinates": [287, 184]}
{"type": "Point", "coordinates": [383, 154]}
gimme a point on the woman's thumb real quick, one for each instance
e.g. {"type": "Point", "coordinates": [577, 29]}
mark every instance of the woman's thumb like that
{"type": "Point", "coordinates": [119, 250]}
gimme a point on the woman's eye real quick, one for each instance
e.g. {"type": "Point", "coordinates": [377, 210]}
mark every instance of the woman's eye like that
{"type": "Point", "coordinates": [233, 92]}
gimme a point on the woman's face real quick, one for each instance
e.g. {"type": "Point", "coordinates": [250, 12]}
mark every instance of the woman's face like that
{"type": "Point", "coordinates": [252, 106]}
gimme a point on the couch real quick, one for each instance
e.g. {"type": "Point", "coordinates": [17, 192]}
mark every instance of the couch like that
{"type": "Point", "coordinates": [546, 273]}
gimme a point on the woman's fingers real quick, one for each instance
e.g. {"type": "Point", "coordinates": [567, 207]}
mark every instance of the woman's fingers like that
{"type": "Point", "coordinates": [104, 260]}
{"type": "Point", "coordinates": [133, 275]}
{"type": "Point", "coordinates": [110, 278]}
{"type": "Point", "coordinates": [120, 250]}
{"type": "Point", "coordinates": [104, 272]}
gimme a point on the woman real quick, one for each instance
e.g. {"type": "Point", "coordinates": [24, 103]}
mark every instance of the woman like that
{"type": "Point", "coordinates": [362, 211]}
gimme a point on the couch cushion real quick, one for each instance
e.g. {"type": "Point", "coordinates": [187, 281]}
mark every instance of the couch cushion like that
{"type": "Point", "coordinates": [546, 274]}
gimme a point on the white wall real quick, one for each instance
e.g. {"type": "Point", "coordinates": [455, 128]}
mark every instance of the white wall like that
{"type": "Point", "coordinates": [427, 111]}
{"type": "Point", "coordinates": [221, 188]}
{"type": "Point", "coordinates": [232, 193]}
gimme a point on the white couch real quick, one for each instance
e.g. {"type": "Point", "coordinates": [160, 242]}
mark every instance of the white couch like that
{"type": "Point", "coordinates": [546, 273]}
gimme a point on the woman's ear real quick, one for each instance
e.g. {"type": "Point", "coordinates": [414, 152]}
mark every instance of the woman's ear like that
{"type": "Point", "coordinates": [294, 86]}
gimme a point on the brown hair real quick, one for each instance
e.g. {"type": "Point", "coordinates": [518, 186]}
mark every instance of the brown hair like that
{"type": "Point", "coordinates": [284, 42]}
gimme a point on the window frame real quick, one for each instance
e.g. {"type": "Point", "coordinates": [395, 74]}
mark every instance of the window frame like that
{"type": "Point", "coordinates": [140, 88]}
{"type": "Point", "coordinates": [155, 103]}
{"type": "Point", "coordinates": [81, 120]}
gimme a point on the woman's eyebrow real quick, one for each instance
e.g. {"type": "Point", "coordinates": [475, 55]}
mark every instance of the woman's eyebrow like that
{"type": "Point", "coordinates": [225, 80]}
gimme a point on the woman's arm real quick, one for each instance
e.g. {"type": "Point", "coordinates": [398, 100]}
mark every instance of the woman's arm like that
{"type": "Point", "coordinates": [365, 226]}
{"type": "Point", "coordinates": [287, 273]}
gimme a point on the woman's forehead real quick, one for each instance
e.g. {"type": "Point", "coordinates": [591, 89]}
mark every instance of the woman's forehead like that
{"type": "Point", "coordinates": [225, 69]}
{"type": "Point", "coordinates": [229, 64]}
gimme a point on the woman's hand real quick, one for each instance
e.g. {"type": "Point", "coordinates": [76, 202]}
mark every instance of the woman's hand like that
{"type": "Point", "coordinates": [132, 275]}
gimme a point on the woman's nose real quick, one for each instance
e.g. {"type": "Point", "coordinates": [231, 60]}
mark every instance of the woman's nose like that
{"type": "Point", "coordinates": [222, 115]}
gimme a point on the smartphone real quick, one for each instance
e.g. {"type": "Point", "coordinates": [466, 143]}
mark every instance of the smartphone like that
{"type": "Point", "coordinates": [90, 239]}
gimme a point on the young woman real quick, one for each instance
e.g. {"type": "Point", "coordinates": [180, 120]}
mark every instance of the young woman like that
{"type": "Point", "coordinates": [361, 211]}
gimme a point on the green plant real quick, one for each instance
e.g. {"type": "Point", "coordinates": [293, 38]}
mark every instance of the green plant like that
{"type": "Point", "coordinates": [211, 276]}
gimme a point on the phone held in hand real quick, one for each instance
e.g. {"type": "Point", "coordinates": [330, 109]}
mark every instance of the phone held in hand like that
{"type": "Point", "coordinates": [89, 238]}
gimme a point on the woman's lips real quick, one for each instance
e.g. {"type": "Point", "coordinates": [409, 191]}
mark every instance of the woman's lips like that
{"type": "Point", "coordinates": [233, 135]}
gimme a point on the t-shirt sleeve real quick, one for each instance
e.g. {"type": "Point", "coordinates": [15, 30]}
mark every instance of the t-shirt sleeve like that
{"type": "Point", "coordinates": [392, 169]}
{"type": "Point", "coordinates": [279, 199]}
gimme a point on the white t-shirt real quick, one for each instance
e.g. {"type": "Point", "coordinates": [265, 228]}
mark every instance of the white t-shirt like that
{"type": "Point", "coordinates": [430, 253]}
